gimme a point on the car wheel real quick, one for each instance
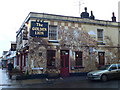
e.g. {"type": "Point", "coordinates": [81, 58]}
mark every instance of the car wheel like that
{"type": "Point", "coordinates": [104, 78]}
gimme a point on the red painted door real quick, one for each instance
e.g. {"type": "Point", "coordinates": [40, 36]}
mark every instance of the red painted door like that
{"type": "Point", "coordinates": [64, 71]}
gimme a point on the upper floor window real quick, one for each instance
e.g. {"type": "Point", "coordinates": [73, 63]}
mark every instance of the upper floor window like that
{"type": "Point", "coordinates": [100, 35]}
{"type": "Point", "coordinates": [53, 32]}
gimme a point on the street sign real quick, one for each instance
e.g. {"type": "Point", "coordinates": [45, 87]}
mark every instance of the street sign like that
{"type": "Point", "coordinates": [90, 49]}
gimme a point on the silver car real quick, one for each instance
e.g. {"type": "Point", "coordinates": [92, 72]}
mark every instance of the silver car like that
{"type": "Point", "coordinates": [105, 73]}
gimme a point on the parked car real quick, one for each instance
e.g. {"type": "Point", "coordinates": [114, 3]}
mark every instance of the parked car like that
{"type": "Point", "coordinates": [105, 73]}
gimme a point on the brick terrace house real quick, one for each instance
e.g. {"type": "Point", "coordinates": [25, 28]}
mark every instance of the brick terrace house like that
{"type": "Point", "coordinates": [66, 44]}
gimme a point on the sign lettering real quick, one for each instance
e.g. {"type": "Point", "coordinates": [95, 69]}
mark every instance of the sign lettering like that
{"type": "Point", "coordinates": [39, 29]}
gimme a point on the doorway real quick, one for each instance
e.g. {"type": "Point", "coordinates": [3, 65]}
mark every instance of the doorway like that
{"type": "Point", "coordinates": [101, 56]}
{"type": "Point", "coordinates": [64, 60]}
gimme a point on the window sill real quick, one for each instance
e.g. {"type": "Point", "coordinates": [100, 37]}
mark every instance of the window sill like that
{"type": "Point", "coordinates": [77, 67]}
{"type": "Point", "coordinates": [53, 41]}
{"type": "Point", "coordinates": [50, 67]}
{"type": "Point", "coordinates": [100, 43]}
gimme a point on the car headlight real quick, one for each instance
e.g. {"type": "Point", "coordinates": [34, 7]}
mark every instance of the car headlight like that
{"type": "Point", "coordinates": [95, 74]}
{"type": "Point", "coordinates": [98, 74]}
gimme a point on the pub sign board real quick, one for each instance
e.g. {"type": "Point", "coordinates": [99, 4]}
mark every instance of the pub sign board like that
{"type": "Point", "coordinates": [13, 47]}
{"type": "Point", "coordinates": [39, 29]}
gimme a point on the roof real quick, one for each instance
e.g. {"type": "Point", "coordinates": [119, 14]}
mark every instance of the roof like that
{"type": "Point", "coordinates": [47, 16]}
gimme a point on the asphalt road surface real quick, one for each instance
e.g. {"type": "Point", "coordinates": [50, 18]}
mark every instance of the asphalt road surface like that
{"type": "Point", "coordinates": [69, 82]}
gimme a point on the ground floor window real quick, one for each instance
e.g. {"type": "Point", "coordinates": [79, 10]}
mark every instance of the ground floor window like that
{"type": "Point", "coordinates": [18, 57]}
{"type": "Point", "coordinates": [26, 58]}
{"type": "Point", "coordinates": [51, 58]}
{"type": "Point", "coordinates": [78, 58]}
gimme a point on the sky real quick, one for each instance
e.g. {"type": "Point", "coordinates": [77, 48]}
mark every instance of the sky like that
{"type": "Point", "coordinates": [14, 12]}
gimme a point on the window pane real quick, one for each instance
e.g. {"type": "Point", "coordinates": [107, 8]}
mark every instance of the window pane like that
{"type": "Point", "coordinates": [118, 66]}
{"type": "Point", "coordinates": [53, 33]}
{"type": "Point", "coordinates": [78, 58]}
{"type": "Point", "coordinates": [51, 58]}
{"type": "Point", "coordinates": [113, 67]}
{"type": "Point", "coordinates": [100, 34]}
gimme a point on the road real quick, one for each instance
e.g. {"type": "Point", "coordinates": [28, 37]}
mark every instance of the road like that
{"type": "Point", "coordinates": [69, 82]}
{"type": "Point", "coordinates": [75, 84]}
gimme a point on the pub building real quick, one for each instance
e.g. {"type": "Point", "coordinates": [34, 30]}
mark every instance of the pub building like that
{"type": "Point", "coordinates": [65, 45]}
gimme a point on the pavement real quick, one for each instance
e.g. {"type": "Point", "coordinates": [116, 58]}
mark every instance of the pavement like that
{"type": "Point", "coordinates": [5, 81]}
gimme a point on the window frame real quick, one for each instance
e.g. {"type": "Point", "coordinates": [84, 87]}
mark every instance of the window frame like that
{"type": "Point", "coordinates": [49, 61]}
{"type": "Point", "coordinates": [81, 59]}
{"type": "Point", "coordinates": [56, 33]}
{"type": "Point", "coordinates": [100, 35]}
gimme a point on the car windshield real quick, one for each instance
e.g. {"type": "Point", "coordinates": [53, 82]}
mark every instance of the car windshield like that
{"type": "Point", "coordinates": [105, 67]}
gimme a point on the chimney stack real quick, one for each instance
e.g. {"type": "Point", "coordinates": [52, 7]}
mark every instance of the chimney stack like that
{"type": "Point", "coordinates": [113, 17]}
{"type": "Point", "coordinates": [85, 14]}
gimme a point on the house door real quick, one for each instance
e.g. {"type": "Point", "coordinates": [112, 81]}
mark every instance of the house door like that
{"type": "Point", "coordinates": [64, 71]}
{"type": "Point", "coordinates": [101, 58]}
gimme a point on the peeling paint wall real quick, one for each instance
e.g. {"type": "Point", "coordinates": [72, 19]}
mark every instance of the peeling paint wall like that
{"type": "Point", "coordinates": [74, 36]}
{"type": "Point", "coordinates": [70, 37]}
{"type": "Point", "coordinates": [110, 38]}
